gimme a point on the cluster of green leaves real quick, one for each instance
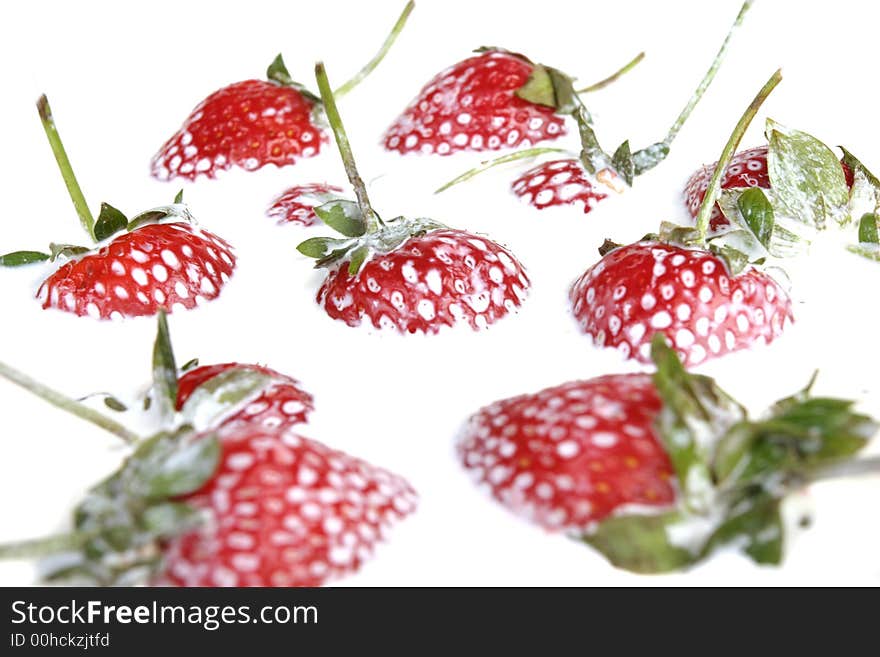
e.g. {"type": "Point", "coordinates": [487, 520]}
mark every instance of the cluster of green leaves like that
{"type": "Point", "coordinates": [732, 472]}
{"type": "Point", "coordinates": [110, 222]}
{"type": "Point", "coordinates": [808, 193]}
{"type": "Point", "coordinates": [347, 219]}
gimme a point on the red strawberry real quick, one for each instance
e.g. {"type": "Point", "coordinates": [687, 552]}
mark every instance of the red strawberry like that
{"type": "Point", "coordinates": [473, 106]}
{"type": "Point", "coordinates": [686, 294]}
{"type": "Point", "coordinates": [155, 266]}
{"type": "Point", "coordinates": [559, 182]}
{"type": "Point", "coordinates": [149, 262]}
{"type": "Point", "coordinates": [281, 405]}
{"type": "Point", "coordinates": [656, 471]}
{"type": "Point", "coordinates": [428, 282]}
{"type": "Point", "coordinates": [746, 169]}
{"type": "Point", "coordinates": [573, 454]}
{"type": "Point", "coordinates": [407, 274]}
{"type": "Point", "coordinates": [297, 204]}
{"type": "Point", "coordinates": [284, 511]}
{"type": "Point", "coordinates": [253, 123]}
{"type": "Point", "coordinates": [248, 124]}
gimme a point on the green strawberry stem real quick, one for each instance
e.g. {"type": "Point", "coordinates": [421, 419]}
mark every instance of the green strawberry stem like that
{"type": "Point", "coordinates": [601, 84]}
{"type": "Point", "coordinates": [379, 56]}
{"type": "Point", "coordinates": [707, 79]}
{"type": "Point", "coordinates": [73, 188]}
{"type": "Point", "coordinates": [360, 190]}
{"type": "Point", "coordinates": [41, 547]}
{"type": "Point", "coordinates": [504, 159]}
{"type": "Point", "coordinates": [66, 403]}
{"type": "Point", "coordinates": [714, 189]}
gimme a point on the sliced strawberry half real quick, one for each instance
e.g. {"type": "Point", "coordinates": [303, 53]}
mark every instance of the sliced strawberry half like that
{"type": "Point", "coordinates": [473, 106]}
{"type": "Point", "coordinates": [296, 205]}
{"type": "Point", "coordinates": [281, 405]}
{"type": "Point", "coordinates": [284, 510]}
{"type": "Point", "coordinates": [570, 455]}
{"type": "Point", "coordinates": [559, 182]}
{"type": "Point", "coordinates": [156, 266]}
{"type": "Point", "coordinates": [686, 294]}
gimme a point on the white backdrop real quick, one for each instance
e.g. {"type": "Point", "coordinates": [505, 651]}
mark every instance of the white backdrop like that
{"type": "Point", "coordinates": [123, 76]}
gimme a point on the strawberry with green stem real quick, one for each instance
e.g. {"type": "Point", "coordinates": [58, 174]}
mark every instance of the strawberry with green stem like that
{"type": "Point", "coordinates": [496, 99]}
{"type": "Point", "coordinates": [253, 123]}
{"type": "Point", "coordinates": [156, 259]}
{"type": "Point", "coordinates": [803, 186]}
{"type": "Point", "coordinates": [588, 179]}
{"type": "Point", "coordinates": [220, 496]}
{"type": "Point", "coordinates": [406, 274]}
{"type": "Point", "coordinates": [658, 471]}
{"type": "Point", "coordinates": [706, 295]}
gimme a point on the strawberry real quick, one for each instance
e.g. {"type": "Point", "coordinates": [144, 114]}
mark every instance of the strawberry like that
{"type": "Point", "coordinates": [746, 169]}
{"type": "Point", "coordinates": [559, 182]}
{"type": "Point", "coordinates": [657, 471]}
{"type": "Point", "coordinates": [570, 455]}
{"type": "Point", "coordinates": [428, 282]}
{"type": "Point", "coordinates": [407, 274]}
{"type": "Point", "coordinates": [137, 273]}
{"type": "Point", "coordinates": [706, 300]}
{"type": "Point", "coordinates": [280, 405]}
{"type": "Point", "coordinates": [224, 494]}
{"type": "Point", "coordinates": [284, 511]}
{"type": "Point", "coordinates": [157, 259]}
{"type": "Point", "coordinates": [253, 123]}
{"type": "Point", "coordinates": [687, 294]}
{"type": "Point", "coordinates": [474, 106]}
{"type": "Point", "coordinates": [296, 205]}
{"type": "Point", "coordinates": [583, 180]}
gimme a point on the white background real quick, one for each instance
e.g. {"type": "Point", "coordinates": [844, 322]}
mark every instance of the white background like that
{"type": "Point", "coordinates": [122, 77]}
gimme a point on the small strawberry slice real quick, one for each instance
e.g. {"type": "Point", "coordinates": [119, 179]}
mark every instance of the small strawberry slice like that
{"type": "Point", "coordinates": [407, 274]}
{"type": "Point", "coordinates": [747, 168]}
{"type": "Point", "coordinates": [559, 182]}
{"type": "Point", "coordinates": [657, 471]}
{"type": "Point", "coordinates": [570, 455]}
{"type": "Point", "coordinates": [430, 281]}
{"type": "Point", "coordinates": [686, 294]}
{"type": "Point", "coordinates": [156, 266]}
{"type": "Point", "coordinates": [254, 123]}
{"type": "Point", "coordinates": [474, 106]}
{"type": "Point", "coordinates": [284, 511]}
{"type": "Point", "coordinates": [280, 405]}
{"type": "Point", "coordinates": [296, 205]}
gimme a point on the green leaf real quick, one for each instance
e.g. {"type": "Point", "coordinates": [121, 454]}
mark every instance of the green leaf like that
{"type": "Point", "coordinates": [144, 218]}
{"type": "Point", "coordinates": [319, 247]}
{"type": "Point", "coordinates": [184, 470]}
{"type": "Point", "coordinates": [806, 176]}
{"type": "Point", "coordinates": [781, 243]}
{"type": "Point", "coordinates": [169, 519]}
{"type": "Point", "coordinates": [695, 412]}
{"type": "Point", "coordinates": [758, 213]}
{"type": "Point", "coordinates": [178, 198]}
{"type": "Point", "coordinates": [640, 543]}
{"type": "Point", "coordinates": [868, 229]}
{"type": "Point", "coordinates": [735, 259]}
{"type": "Point", "coordinates": [114, 404]}
{"type": "Point", "coordinates": [189, 365]}
{"type": "Point", "coordinates": [357, 259]}
{"type": "Point", "coordinates": [623, 162]}
{"type": "Point", "coordinates": [592, 156]}
{"type": "Point", "coordinates": [164, 369]}
{"type": "Point", "coordinates": [222, 394]}
{"type": "Point", "coordinates": [756, 525]}
{"type": "Point", "coordinates": [866, 187]}
{"type": "Point", "coordinates": [110, 221]}
{"type": "Point", "coordinates": [538, 88]}
{"type": "Point", "coordinates": [277, 71]}
{"type": "Point", "coordinates": [66, 250]}
{"type": "Point", "coordinates": [649, 157]}
{"type": "Point", "coordinates": [343, 216]}
{"type": "Point", "coordinates": [870, 252]}
{"type": "Point", "coordinates": [19, 258]}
